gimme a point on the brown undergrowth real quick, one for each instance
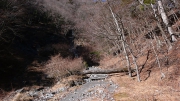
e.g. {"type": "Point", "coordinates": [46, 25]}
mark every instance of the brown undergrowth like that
{"type": "Point", "coordinates": [153, 87]}
{"type": "Point", "coordinates": [58, 67]}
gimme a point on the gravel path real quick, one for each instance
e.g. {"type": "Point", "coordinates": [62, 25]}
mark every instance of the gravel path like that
{"type": "Point", "coordinates": [97, 87]}
{"type": "Point", "coordinates": [93, 90]}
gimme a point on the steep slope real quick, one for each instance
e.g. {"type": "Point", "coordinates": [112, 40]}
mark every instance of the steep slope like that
{"type": "Point", "coordinates": [43, 60]}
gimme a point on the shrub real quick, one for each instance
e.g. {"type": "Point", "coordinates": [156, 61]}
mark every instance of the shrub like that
{"type": "Point", "coordinates": [58, 67]}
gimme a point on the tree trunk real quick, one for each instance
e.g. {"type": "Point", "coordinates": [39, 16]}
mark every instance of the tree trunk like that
{"type": "Point", "coordinates": [157, 59]}
{"type": "Point", "coordinates": [165, 20]}
{"type": "Point", "coordinates": [135, 63]}
{"type": "Point", "coordinates": [104, 71]}
{"type": "Point", "coordinates": [141, 2]}
{"type": "Point", "coordinates": [169, 46]}
{"type": "Point", "coordinates": [123, 43]}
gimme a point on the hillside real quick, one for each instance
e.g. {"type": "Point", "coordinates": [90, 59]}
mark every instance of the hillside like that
{"type": "Point", "coordinates": [115, 50]}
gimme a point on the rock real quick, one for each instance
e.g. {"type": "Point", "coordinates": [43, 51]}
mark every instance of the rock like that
{"type": "Point", "coordinates": [93, 89]}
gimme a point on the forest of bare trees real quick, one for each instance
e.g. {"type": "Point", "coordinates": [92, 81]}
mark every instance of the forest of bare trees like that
{"type": "Point", "coordinates": [129, 29]}
{"type": "Point", "coordinates": [77, 34]}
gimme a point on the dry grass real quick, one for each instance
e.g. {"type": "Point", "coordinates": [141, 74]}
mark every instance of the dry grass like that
{"type": "Point", "coordinates": [152, 87]}
{"type": "Point", "coordinates": [57, 67]}
{"type": "Point", "coordinates": [22, 97]}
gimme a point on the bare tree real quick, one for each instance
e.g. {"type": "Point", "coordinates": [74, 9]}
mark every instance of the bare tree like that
{"type": "Point", "coordinates": [157, 59]}
{"type": "Point", "coordinates": [163, 16]}
{"type": "Point", "coordinates": [121, 33]}
{"type": "Point", "coordinates": [165, 20]}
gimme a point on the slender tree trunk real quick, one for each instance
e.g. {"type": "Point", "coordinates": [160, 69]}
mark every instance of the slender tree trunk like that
{"type": "Point", "coordinates": [123, 43]}
{"type": "Point", "coordinates": [165, 20]}
{"type": "Point", "coordinates": [154, 9]}
{"type": "Point", "coordinates": [157, 59]}
{"type": "Point", "coordinates": [141, 2]}
{"type": "Point", "coordinates": [165, 37]}
{"type": "Point", "coordinates": [168, 44]}
{"type": "Point", "coordinates": [135, 63]}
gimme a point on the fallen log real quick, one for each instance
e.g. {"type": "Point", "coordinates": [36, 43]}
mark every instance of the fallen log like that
{"type": "Point", "coordinates": [104, 71]}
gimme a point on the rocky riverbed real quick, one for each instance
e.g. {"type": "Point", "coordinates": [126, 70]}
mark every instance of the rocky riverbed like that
{"type": "Point", "coordinates": [93, 87]}
{"type": "Point", "coordinates": [95, 90]}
